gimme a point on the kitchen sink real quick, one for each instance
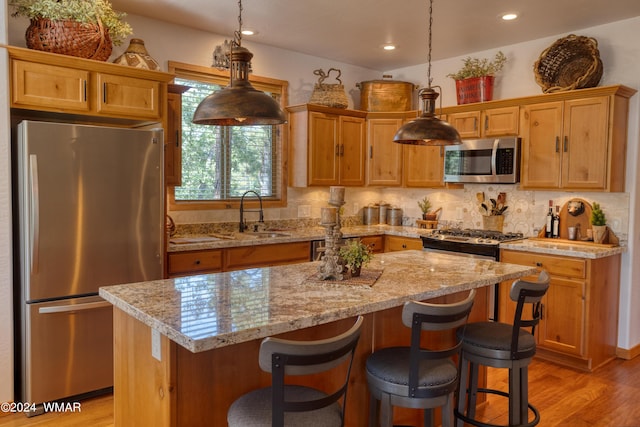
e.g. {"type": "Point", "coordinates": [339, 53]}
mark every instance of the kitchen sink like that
{"type": "Point", "coordinates": [267, 234]}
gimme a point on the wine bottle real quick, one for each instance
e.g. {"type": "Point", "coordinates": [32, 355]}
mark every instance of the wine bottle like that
{"type": "Point", "coordinates": [556, 223]}
{"type": "Point", "coordinates": [548, 232]}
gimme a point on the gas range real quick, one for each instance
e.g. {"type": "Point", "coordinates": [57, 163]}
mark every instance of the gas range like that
{"type": "Point", "coordinates": [473, 236]}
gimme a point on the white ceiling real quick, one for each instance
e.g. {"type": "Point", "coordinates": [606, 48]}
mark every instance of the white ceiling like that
{"type": "Point", "coordinates": [353, 31]}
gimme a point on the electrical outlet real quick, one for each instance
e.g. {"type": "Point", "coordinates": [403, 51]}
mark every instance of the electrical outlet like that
{"type": "Point", "coordinates": [156, 349]}
{"type": "Point", "coordinates": [304, 211]}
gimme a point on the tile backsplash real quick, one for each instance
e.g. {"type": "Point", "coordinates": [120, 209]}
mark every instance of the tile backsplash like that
{"type": "Point", "coordinates": [525, 214]}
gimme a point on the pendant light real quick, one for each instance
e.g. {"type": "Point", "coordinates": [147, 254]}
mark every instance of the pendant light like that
{"type": "Point", "coordinates": [428, 129]}
{"type": "Point", "coordinates": [239, 103]}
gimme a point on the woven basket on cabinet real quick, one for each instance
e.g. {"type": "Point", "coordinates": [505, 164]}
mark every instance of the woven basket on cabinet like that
{"type": "Point", "coordinates": [68, 37]}
{"type": "Point", "coordinates": [572, 62]}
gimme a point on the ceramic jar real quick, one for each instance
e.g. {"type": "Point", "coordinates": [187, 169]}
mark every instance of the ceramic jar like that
{"type": "Point", "coordinates": [137, 56]}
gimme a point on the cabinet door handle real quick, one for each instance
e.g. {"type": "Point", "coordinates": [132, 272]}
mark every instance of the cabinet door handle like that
{"type": "Point", "coordinates": [557, 144]}
{"type": "Point", "coordinates": [538, 264]}
{"type": "Point", "coordinates": [566, 143]}
{"type": "Point", "coordinates": [486, 123]}
{"type": "Point", "coordinates": [371, 152]}
{"type": "Point", "coordinates": [84, 89]}
{"type": "Point", "coordinates": [475, 123]}
{"type": "Point", "coordinates": [337, 150]}
{"type": "Point", "coordinates": [104, 92]}
{"type": "Point", "coordinates": [177, 138]}
{"type": "Point", "coordinates": [341, 150]}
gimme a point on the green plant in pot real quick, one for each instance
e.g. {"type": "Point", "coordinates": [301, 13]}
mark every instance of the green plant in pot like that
{"type": "Point", "coordinates": [474, 81]}
{"type": "Point", "coordinates": [425, 207]}
{"type": "Point", "coordinates": [598, 223]}
{"type": "Point", "coordinates": [356, 255]}
{"type": "Point", "coordinates": [83, 28]}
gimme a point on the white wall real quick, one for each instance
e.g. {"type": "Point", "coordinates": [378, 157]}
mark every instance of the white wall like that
{"type": "Point", "coordinates": [165, 42]}
{"type": "Point", "coordinates": [6, 295]}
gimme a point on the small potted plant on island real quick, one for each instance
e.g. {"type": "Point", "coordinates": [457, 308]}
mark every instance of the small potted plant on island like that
{"type": "Point", "coordinates": [355, 255]}
{"type": "Point", "coordinates": [82, 28]}
{"type": "Point", "coordinates": [598, 223]}
{"type": "Point", "coordinates": [474, 81]}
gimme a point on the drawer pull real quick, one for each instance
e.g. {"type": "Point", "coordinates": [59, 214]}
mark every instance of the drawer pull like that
{"type": "Point", "coordinates": [538, 264]}
{"type": "Point", "coordinates": [197, 262]}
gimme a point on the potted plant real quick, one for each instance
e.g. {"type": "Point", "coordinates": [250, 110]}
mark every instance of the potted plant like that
{"type": "Point", "coordinates": [425, 207]}
{"type": "Point", "coordinates": [598, 223]}
{"type": "Point", "coordinates": [84, 28]}
{"type": "Point", "coordinates": [474, 81]}
{"type": "Point", "coordinates": [355, 255]}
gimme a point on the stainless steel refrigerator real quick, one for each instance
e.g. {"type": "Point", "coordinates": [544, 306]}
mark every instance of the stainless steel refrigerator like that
{"type": "Point", "coordinates": [90, 214]}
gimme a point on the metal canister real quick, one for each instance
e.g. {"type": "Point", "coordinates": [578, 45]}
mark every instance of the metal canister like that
{"type": "Point", "coordinates": [386, 95]}
{"type": "Point", "coordinates": [371, 215]}
{"type": "Point", "coordinates": [383, 212]}
{"type": "Point", "coordinates": [394, 216]}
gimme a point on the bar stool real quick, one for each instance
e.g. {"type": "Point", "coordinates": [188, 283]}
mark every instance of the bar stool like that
{"type": "Point", "coordinates": [297, 405]}
{"type": "Point", "coordinates": [414, 377]}
{"type": "Point", "coordinates": [502, 345]}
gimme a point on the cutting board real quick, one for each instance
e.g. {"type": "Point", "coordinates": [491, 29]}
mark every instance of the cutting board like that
{"type": "Point", "coordinates": [582, 222]}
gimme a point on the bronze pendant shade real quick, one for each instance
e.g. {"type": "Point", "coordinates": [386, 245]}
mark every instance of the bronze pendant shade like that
{"type": "Point", "coordinates": [427, 129]}
{"type": "Point", "coordinates": [239, 103]}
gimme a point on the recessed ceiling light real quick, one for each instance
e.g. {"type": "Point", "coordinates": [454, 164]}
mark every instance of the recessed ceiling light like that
{"type": "Point", "coordinates": [249, 32]}
{"type": "Point", "coordinates": [388, 46]}
{"type": "Point", "coordinates": [509, 16]}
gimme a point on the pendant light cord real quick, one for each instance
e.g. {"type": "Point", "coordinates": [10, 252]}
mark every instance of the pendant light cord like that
{"type": "Point", "coordinates": [429, 44]}
{"type": "Point", "coordinates": [238, 34]}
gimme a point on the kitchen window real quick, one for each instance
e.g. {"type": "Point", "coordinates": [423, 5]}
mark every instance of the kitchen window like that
{"type": "Point", "coordinates": [220, 163]}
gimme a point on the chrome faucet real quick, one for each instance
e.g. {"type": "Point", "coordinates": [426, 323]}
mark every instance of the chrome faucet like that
{"type": "Point", "coordinates": [243, 225]}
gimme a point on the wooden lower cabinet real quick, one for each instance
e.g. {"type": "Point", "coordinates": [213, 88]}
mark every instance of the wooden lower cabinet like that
{"type": "Point", "coordinates": [397, 243]}
{"type": "Point", "coordinates": [579, 325]}
{"type": "Point", "coordinates": [242, 257]}
{"type": "Point", "coordinates": [375, 242]}
{"type": "Point", "coordinates": [237, 258]}
{"type": "Point", "coordinates": [194, 262]}
{"type": "Point", "coordinates": [196, 389]}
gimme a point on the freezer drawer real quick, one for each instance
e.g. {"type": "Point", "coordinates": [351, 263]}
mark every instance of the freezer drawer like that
{"type": "Point", "coordinates": [67, 348]}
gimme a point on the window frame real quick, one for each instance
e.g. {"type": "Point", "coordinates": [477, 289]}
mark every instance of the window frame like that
{"type": "Point", "coordinates": [221, 77]}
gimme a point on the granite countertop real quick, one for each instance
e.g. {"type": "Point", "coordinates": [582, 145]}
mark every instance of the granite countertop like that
{"type": "Point", "coordinates": [235, 239]}
{"type": "Point", "coordinates": [215, 310]}
{"type": "Point", "coordinates": [564, 247]}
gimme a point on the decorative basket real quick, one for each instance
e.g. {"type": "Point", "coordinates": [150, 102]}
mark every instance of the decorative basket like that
{"type": "Point", "coordinates": [68, 37]}
{"type": "Point", "coordinates": [329, 95]}
{"type": "Point", "coordinates": [572, 62]}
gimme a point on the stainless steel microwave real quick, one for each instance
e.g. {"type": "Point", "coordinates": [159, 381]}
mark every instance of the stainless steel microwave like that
{"type": "Point", "coordinates": [495, 160]}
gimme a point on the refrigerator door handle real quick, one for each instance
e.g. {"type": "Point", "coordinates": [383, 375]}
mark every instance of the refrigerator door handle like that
{"type": "Point", "coordinates": [73, 307]}
{"type": "Point", "coordinates": [35, 213]}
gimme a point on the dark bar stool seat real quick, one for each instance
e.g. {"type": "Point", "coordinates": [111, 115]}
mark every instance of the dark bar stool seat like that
{"type": "Point", "coordinates": [502, 345]}
{"type": "Point", "coordinates": [415, 377]}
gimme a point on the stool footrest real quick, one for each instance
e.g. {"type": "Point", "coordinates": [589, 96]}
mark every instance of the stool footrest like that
{"type": "Point", "coordinates": [477, 423]}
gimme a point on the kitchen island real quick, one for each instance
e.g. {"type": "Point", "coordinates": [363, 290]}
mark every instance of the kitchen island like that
{"type": "Point", "coordinates": [185, 348]}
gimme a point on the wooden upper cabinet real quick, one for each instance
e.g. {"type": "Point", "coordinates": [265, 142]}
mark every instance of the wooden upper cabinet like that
{"type": "Point", "coordinates": [327, 146]}
{"type": "Point", "coordinates": [486, 123]}
{"type": "Point", "coordinates": [568, 145]}
{"type": "Point", "coordinates": [385, 157]}
{"type": "Point", "coordinates": [423, 166]}
{"type": "Point", "coordinates": [48, 86]}
{"type": "Point", "coordinates": [42, 81]}
{"type": "Point", "coordinates": [127, 96]}
{"type": "Point", "coordinates": [173, 136]}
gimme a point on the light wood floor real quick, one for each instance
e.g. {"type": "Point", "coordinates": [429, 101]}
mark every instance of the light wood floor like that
{"type": "Point", "coordinates": [565, 397]}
